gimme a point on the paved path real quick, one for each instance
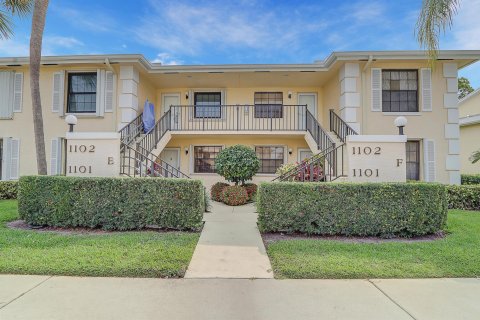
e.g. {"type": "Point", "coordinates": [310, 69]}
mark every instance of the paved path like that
{"type": "Point", "coordinates": [230, 246]}
{"type": "Point", "coordinates": [52, 298]}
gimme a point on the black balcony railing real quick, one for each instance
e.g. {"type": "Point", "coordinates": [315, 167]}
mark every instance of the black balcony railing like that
{"type": "Point", "coordinates": [132, 130]}
{"type": "Point", "coordinates": [239, 118]}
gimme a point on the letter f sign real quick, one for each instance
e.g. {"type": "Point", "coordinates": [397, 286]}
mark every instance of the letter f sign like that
{"type": "Point", "coordinates": [399, 162]}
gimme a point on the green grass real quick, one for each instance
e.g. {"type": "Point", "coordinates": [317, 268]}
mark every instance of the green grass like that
{"type": "Point", "coordinates": [128, 254]}
{"type": "Point", "coordinates": [457, 255]}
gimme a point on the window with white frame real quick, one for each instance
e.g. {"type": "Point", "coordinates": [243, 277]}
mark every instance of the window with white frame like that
{"type": "Point", "coordinates": [268, 104]}
{"type": "Point", "coordinates": [271, 158]}
{"type": "Point", "coordinates": [82, 92]}
{"type": "Point", "coordinates": [399, 90]}
{"type": "Point", "coordinates": [208, 104]}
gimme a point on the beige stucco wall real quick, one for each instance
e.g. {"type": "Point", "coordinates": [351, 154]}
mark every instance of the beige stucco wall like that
{"type": "Point", "coordinates": [421, 125]}
{"type": "Point", "coordinates": [469, 142]}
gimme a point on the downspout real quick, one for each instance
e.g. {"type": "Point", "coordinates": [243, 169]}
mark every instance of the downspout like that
{"type": "Point", "coordinates": [109, 66]}
{"type": "Point", "coordinates": [364, 100]}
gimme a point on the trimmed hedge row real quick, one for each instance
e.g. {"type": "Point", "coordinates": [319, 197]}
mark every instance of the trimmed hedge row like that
{"type": "Point", "coordinates": [111, 203]}
{"type": "Point", "coordinates": [464, 197]}
{"type": "Point", "coordinates": [8, 190]}
{"type": "Point", "coordinates": [368, 209]}
{"type": "Point", "coordinates": [468, 179]}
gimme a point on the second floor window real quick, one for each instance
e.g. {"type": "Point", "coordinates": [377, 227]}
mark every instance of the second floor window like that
{"type": "Point", "coordinates": [82, 93]}
{"type": "Point", "coordinates": [208, 104]}
{"type": "Point", "coordinates": [399, 91]}
{"type": "Point", "coordinates": [268, 104]}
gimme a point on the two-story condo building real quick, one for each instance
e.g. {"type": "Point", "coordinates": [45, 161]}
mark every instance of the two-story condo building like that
{"type": "Point", "coordinates": [286, 112]}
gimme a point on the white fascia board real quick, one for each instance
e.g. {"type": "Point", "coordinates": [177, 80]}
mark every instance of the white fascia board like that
{"type": "Point", "coordinates": [466, 121]}
{"type": "Point", "coordinates": [377, 138]}
{"type": "Point", "coordinates": [468, 96]}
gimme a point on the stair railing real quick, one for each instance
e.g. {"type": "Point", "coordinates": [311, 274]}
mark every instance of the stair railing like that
{"type": "Point", "coordinates": [132, 130]}
{"type": "Point", "coordinates": [319, 134]}
{"type": "Point", "coordinates": [340, 127]}
{"type": "Point", "coordinates": [153, 136]}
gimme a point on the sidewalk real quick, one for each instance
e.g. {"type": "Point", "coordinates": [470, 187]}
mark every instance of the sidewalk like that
{"type": "Point", "coordinates": [41, 297]}
{"type": "Point", "coordinates": [230, 246]}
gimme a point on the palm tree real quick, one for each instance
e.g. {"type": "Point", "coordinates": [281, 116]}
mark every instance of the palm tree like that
{"type": "Point", "coordinates": [36, 36]}
{"type": "Point", "coordinates": [9, 8]}
{"type": "Point", "coordinates": [435, 17]}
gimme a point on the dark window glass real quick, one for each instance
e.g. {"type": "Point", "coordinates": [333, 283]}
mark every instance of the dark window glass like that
{"type": "Point", "coordinates": [82, 93]}
{"type": "Point", "coordinates": [204, 158]}
{"type": "Point", "coordinates": [399, 91]}
{"type": "Point", "coordinates": [413, 160]}
{"type": "Point", "coordinates": [207, 104]}
{"type": "Point", "coordinates": [271, 158]}
{"type": "Point", "coordinates": [268, 104]}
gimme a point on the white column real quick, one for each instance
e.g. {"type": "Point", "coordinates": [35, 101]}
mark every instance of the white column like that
{"type": "Point", "coordinates": [452, 129]}
{"type": "Point", "coordinates": [128, 95]}
{"type": "Point", "coordinates": [349, 94]}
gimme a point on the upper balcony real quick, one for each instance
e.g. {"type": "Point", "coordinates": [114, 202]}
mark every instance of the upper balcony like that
{"type": "Point", "coordinates": [240, 118]}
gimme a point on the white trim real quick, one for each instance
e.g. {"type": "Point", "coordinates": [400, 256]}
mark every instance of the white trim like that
{"type": "Point", "coordinates": [315, 115]}
{"type": "Point", "coordinates": [377, 138]}
{"type": "Point", "coordinates": [467, 97]}
{"type": "Point", "coordinates": [92, 135]}
{"type": "Point", "coordinates": [402, 113]}
{"type": "Point", "coordinates": [285, 156]}
{"type": "Point", "coordinates": [468, 120]}
{"type": "Point", "coordinates": [5, 141]}
{"type": "Point", "coordinates": [178, 155]}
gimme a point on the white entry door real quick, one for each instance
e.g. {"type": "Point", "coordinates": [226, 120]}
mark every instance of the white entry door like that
{"type": "Point", "coordinates": [172, 99]}
{"type": "Point", "coordinates": [304, 154]}
{"type": "Point", "coordinates": [171, 156]}
{"type": "Point", "coordinates": [309, 99]}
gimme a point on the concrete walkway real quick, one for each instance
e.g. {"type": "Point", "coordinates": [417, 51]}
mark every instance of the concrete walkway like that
{"type": "Point", "coordinates": [230, 246]}
{"type": "Point", "coordinates": [41, 297]}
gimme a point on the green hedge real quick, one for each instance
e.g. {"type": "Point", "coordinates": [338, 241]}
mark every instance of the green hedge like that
{"type": "Point", "coordinates": [8, 190]}
{"type": "Point", "coordinates": [464, 197]}
{"type": "Point", "coordinates": [468, 179]}
{"type": "Point", "coordinates": [111, 203]}
{"type": "Point", "coordinates": [360, 209]}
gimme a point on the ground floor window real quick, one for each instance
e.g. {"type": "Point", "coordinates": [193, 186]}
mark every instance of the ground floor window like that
{"type": "Point", "coordinates": [413, 160]}
{"type": "Point", "coordinates": [271, 158]}
{"type": "Point", "coordinates": [204, 158]}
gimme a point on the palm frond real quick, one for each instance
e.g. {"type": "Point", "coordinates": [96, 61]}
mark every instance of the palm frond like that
{"type": "Point", "coordinates": [5, 23]}
{"type": "Point", "coordinates": [475, 157]}
{"type": "Point", "coordinates": [435, 17]}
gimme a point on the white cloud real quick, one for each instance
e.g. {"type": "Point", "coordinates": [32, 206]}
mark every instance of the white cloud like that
{"type": "Point", "coordinates": [87, 18]}
{"type": "Point", "coordinates": [182, 28]}
{"type": "Point", "coordinates": [367, 12]}
{"type": "Point", "coordinates": [466, 28]}
{"type": "Point", "coordinates": [166, 59]}
{"type": "Point", "coordinates": [14, 48]}
{"type": "Point", "coordinates": [64, 42]}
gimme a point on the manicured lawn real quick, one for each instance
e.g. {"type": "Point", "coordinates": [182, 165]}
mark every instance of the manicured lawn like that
{"type": "Point", "coordinates": [129, 254]}
{"type": "Point", "coordinates": [457, 255]}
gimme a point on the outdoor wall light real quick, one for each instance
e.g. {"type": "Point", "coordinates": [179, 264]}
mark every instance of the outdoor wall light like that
{"type": "Point", "coordinates": [290, 151]}
{"type": "Point", "coordinates": [400, 122]}
{"type": "Point", "coordinates": [290, 94]}
{"type": "Point", "coordinates": [186, 95]}
{"type": "Point", "coordinates": [71, 120]}
{"type": "Point", "coordinates": [186, 150]}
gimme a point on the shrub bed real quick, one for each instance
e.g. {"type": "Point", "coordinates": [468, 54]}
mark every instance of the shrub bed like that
{"type": "Point", "coordinates": [217, 189]}
{"type": "Point", "coordinates": [464, 197]}
{"type": "Point", "coordinates": [234, 195]}
{"type": "Point", "coordinates": [360, 209]}
{"type": "Point", "coordinates": [251, 189]}
{"type": "Point", "coordinates": [8, 190]}
{"type": "Point", "coordinates": [468, 179]}
{"type": "Point", "coordinates": [111, 203]}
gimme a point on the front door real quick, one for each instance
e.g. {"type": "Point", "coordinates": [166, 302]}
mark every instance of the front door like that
{"type": "Point", "coordinates": [171, 156]}
{"type": "Point", "coordinates": [168, 100]}
{"type": "Point", "coordinates": [310, 100]}
{"type": "Point", "coordinates": [304, 154]}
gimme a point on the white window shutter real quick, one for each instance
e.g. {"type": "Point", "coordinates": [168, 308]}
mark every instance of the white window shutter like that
{"type": "Point", "coordinates": [54, 157]}
{"type": "Point", "coordinates": [6, 158]}
{"type": "Point", "coordinates": [429, 160]}
{"type": "Point", "coordinates": [18, 92]}
{"type": "Point", "coordinates": [14, 159]}
{"type": "Point", "coordinates": [58, 98]}
{"type": "Point", "coordinates": [100, 102]}
{"type": "Point", "coordinates": [426, 75]}
{"type": "Point", "coordinates": [110, 82]}
{"type": "Point", "coordinates": [376, 89]}
{"type": "Point", "coordinates": [6, 94]}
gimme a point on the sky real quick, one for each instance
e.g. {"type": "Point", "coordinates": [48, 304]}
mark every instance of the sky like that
{"type": "Point", "coordinates": [241, 31]}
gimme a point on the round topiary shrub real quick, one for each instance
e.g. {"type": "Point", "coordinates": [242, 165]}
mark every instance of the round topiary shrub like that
{"type": "Point", "coordinates": [237, 164]}
{"type": "Point", "coordinates": [216, 191]}
{"type": "Point", "coordinates": [251, 189]}
{"type": "Point", "coordinates": [234, 195]}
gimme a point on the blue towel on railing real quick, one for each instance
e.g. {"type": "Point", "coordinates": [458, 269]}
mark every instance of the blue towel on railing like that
{"type": "Point", "coordinates": [148, 116]}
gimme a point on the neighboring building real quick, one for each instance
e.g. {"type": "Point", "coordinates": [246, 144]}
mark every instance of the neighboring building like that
{"type": "Point", "coordinates": [469, 110]}
{"type": "Point", "coordinates": [282, 111]}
